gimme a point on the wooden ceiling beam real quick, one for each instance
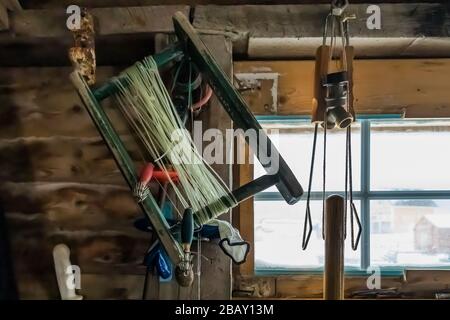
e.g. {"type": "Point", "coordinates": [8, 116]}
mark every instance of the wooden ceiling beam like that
{"type": "Point", "coordinates": [50, 23]}
{"type": "Point", "coordinates": [415, 88]}
{"type": "Point", "coordinates": [47, 4]}
{"type": "Point", "coordinates": [295, 31]}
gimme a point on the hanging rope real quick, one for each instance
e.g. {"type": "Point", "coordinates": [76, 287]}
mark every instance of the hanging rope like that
{"type": "Point", "coordinates": [147, 106]}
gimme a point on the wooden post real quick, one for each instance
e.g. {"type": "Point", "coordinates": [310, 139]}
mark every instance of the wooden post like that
{"type": "Point", "coordinates": [334, 224]}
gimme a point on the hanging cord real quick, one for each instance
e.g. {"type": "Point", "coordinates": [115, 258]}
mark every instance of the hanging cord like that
{"type": "Point", "coordinates": [353, 212]}
{"type": "Point", "coordinates": [308, 220]}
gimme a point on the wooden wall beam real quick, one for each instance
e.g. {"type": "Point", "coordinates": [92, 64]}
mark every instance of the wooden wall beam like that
{"type": "Point", "coordinates": [296, 30]}
{"type": "Point", "coordinates": [416, 87]}
{"type": "Point", "coordinates": [216, 275]}
{"type": "Point", "coordinates": [4, 19]}
{"type": "Point", "coordinates": [49, 23]}
{"type": "Point", "coordinates": [42, 4]}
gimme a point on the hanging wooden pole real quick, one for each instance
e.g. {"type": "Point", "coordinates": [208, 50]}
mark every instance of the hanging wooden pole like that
{"type": "Point", "coordinates": [333, 278]}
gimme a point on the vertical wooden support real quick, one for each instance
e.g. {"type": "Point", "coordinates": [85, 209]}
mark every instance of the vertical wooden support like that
{"type": "Point", "coordinates": [243, 214]}
{"type": "Point", "coordinates": [216, 273]}
{"type": "Point", "coordinates": [333, 278]}
{"type": "Point", "coordinates": [4, 19]}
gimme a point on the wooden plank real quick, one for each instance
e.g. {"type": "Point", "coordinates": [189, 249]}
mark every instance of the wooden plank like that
{"type": "Point", "coordinates": [421, 285]}
{"type": "Point", "coordinates": [42, 102]}
{"type": "Point", "coordinates": [4, 19]}
{"type": "Point", "coordinates": [45, 4]}
{"type": "Point", "coordinates": [416, 87]}
{"type": "Point", "coordinates": [93, 286]}
{"type": "Point", "coordinates": [300, 286]}
{"type": "Point", "coordinates": [69, 206]}
{"type": "Point", "coordinates": [296, 30]}
{"type": "Point", "coordinates": [102, 252]}
{"type": "Point", "coordinates": [243, 215]}
{"type": "Point", "coordinates": [46, 52]}
{"type": "Point", "coordinates": [49, 23]}
{"type": "Point", "coordinates": [216, 275]}
{"type": "Point", "coordinates": [61, 159]}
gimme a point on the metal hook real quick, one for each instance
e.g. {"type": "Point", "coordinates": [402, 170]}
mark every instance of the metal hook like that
{"type": "Point", "coordinates": [338, 7]}
{"type": "Point", "coordinates": [354, 213]}
{"type": "Point", "coordinates": [308, 222]}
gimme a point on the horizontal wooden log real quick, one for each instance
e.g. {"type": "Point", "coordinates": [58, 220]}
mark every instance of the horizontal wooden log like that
{"type": "Point", "coordinates": [407, 29]}
{"type": "Point", "coordinates": [46, 4]}
{"type": "Point", "coordinates": [42, 102]}
{"type": "Point", "coordinates": [4, 19]}
{"type": "Point", "coordinates": [61, 159]}
{"type": "Point", "coordinates": [45, 52]}
{"type": "Point", "coordinates": [104, 252]}
{"type": "Point", "coordinates": [311, 286]}
{"type": "Point", "coordinates": [69, 206]}
{"type": "Point", "coordinates": [48, 23]}
{"type": "Point", "coordinates": [414, 87]}
{"type": "Point", "coordinates": [93, 286]}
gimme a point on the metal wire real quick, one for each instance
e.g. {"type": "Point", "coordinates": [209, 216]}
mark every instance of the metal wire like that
{"type": "Point", "coordinates": [308, 220]}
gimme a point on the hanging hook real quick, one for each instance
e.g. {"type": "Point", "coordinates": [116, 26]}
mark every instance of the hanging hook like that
{"type": "Point", "coordinates": [338, 7]}
{"type": "Point", "coordinates": [308, 220]}
{"type": "Point", "coordinates": [354, 214]}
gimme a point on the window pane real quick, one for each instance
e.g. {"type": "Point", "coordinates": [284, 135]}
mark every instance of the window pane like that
{"type": "Point", "coordinates": [410, 232]}
{"type": "Point", "coordinates": [278, 237]}
{"type": "Point", "coordinates": [410, 155]}
{"type": "Point", "coordinates": [295, 145]}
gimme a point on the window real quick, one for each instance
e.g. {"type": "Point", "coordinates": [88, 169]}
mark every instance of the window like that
{"type": "Point", "coordinates": [401, 184]}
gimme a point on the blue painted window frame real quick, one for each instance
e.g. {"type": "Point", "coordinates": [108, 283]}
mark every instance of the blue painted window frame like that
{"type": "Point", "coordinates": [365, 195]}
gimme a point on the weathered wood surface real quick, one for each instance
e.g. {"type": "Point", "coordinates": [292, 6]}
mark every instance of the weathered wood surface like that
{"type": "Point", "coordinates": [47, 23]}
{"type": "Point", "coordinates": [46, 52]}
{"type": "Point", "coordinates": [93, 286]}
{"type": "Point", "coordinates": [45, 4]}
{"type": "Point", "coordinates": [4, 19]}
{"type": "Point", "coordinates": [60, 184]}
{"type": "Point", "coordinates": [216, 272]}
{"type": "Point", "coordinates": [407, 29]}
{"type": "Point", "coordinates": [243, 214]}
{"type": "Point", "coordinates": [42, 102]}
{"type": "Point", "coordinates": [311, 286]}
{"type": "Point", "coordinates": [414, 87]}
{"type": "Point", "coordinates": [60, 159]}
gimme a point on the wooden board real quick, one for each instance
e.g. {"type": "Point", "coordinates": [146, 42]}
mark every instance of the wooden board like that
{"type": "Point", "coordinates": [216, 275]}
{"type": "Point", "coordinates": [416, 87]}
{"type": "Point", "coordinates": [4, 19]}
{"type": "Point", "coordinates": [43, 4]}
{"type": "Point", "coordinates": [49, 23]}
{"type": "Point", "coordinates": [41, 102]}
{"type": "Point", "coordinates": [93, 286]}
{"type": "Point", "coordinates": [294, 31]}
{"type": "Point", "coordinates": [243, 215]}
{"type": "Point", "coordinates": [60, 159]}
{"type": "Point", "coordinates": [60, 184]}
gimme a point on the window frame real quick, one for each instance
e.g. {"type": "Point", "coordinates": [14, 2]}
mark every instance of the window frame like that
{"type": "Point", "coordinates": [365, 195]}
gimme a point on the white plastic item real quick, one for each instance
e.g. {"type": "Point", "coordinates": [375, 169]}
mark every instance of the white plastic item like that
{"type": "Point", "coordinates": [63, 267]}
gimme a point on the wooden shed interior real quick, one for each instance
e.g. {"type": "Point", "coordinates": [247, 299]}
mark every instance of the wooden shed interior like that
{"type": "Point", "coordinates": [69, 185]}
